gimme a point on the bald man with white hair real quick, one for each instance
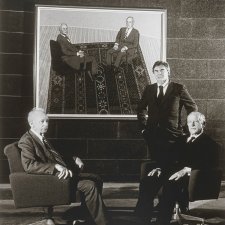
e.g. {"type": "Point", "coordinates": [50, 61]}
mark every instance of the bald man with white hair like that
{"type": "Point", "coordinates": [197, 151]}
{"type": "Point", "coordinates": [73, 56]}
{"type": "Point", "coordinates": [38, 156]}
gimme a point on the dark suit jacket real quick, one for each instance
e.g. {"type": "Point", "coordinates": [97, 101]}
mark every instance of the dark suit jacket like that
{"type": "Point", "coordinates": [167, 115]}
{"type": "Point", "coordinates": [35, 157]}
{"type": "Point", "coordinates": [131, 42]}
{"type": "Point", "coordinates": [69, 52]}
{"type": "Point", "coordinates": [202, 153]}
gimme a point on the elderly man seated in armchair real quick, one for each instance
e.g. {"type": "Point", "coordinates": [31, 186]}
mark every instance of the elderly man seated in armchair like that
{"type": "Point", "coordinates": [72, 55]}
{"type": "Point", "coordinates": [38, 156]}
{"type": "Point", "coordinates": [194, 152]}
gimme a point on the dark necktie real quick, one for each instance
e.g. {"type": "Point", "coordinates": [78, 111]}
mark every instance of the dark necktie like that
{"type": "Point", "coordinates": [56, 156]}
{"type": "Point", "coordinates": [125, 36]}
{"type": "Point", "coordinates": [160, 96]}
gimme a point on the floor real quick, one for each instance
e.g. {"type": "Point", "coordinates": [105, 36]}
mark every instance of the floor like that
{"type": "Point", "coordinates": [120, 199]}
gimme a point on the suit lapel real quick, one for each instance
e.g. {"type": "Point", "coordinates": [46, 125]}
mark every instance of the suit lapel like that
{"type": "Point", "coordinates": [41, 149]}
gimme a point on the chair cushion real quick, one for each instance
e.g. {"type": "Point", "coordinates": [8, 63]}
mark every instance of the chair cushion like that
{"type": "Point", "coordinates": [31, 190]}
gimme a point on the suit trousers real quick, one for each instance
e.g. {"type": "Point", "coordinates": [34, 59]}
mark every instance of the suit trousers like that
{"type": "Point", "coordinates": [88, 62]}
{"type": "Point", "coordinates": [90, 187]}
{"type": "Point", "coordinates": [148, 190]}
{"type": "Point", "coordinates": [119, 55]}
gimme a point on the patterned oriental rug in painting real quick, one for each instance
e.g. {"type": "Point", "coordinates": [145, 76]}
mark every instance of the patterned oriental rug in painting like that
{"type": "Point", "coordinates": [109, 92]}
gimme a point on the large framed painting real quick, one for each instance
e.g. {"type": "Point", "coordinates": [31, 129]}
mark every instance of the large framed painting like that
{"type": "Point", "coordinates": [95, 62]}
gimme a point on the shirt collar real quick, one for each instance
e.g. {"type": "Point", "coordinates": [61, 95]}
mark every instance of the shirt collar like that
{"type": "Point", "coordinates": [165, 84]}
{"type": "Point", "coordinates": [195, 136]}
{"type": "Point", "coordinates": [64, 35]}
{"type": "Point", "coordinates": [38, 135]}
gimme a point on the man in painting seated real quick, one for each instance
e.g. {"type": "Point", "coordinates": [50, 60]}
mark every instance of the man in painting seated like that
{"type": "Point", "coordinates": [72, 55]}
{"type": "Point", "coordinates": [39, 157]}
{"type": "Point", "coordinates": [127, 41]}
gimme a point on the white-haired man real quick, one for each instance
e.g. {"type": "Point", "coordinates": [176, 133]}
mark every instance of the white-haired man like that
{"type": "Point", "coordinates": [197, 151]}
{"type": "Point", "coordinates": [127, 41]}
{"type": "Point", "coordinates": [72, 55]}
{"type": "Point", "coordinates": [39, 157]}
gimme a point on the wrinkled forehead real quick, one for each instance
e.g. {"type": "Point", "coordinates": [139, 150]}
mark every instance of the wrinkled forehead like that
{"type": "Point", "coordinates": [63, 26]}
{"type": "Point", "coordinates": [193, 118]}
{"type": "Point", "coordinates": [38, 116]}
{"type": "Point", "coordinates": [160, 67]}
{"type": "Point", "coordinates": [129, 20]}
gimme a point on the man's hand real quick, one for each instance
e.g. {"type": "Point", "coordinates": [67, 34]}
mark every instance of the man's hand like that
{"type": "Point", "coordinates": [79, 163]}
{"type": "Point", "coordinates": [124, 49]}
{"type": "Point", "coordinates": [80, 53]}
{"type": "Point", "coordinates": [180, 173]}
{"type": "Point", "coordinates": [63, 171]}
{"type": "Point", "coordinates": [116, 46]}
{"type": "Point", "coordinates": [156, 171]}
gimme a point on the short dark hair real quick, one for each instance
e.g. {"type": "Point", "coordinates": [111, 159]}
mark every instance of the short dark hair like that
{"type": "Point", "coordinates": [159, 63]}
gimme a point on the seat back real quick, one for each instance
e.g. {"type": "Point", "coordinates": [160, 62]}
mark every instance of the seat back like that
{"type": "Point", "coordinates": [56, 54]}
{"type": "Point", "coordinates": [13, 154]}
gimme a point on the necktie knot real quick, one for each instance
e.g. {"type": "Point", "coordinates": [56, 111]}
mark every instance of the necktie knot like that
{"type": "Point", "coordinates": [126, 33]}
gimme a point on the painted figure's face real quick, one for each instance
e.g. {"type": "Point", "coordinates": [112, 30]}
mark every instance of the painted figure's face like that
{"type": "Point", "coordinates": [39, 122]}
{"type": "Point", "coordinates": [64, 29]}
{"type": "Point", "coordinates": [161, 74]}
{"type": "Point", "coordinates": [129, 22]}
{"type": "Point", "coordinates": [195, 126]}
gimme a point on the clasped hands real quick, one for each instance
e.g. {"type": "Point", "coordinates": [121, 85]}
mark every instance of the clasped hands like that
{"type": "Point", "coordinates": [80, 53]}
{"type": "Point", "coordinates": [123, 49]}
{"type": "Point", "coordinates": [64, 172]}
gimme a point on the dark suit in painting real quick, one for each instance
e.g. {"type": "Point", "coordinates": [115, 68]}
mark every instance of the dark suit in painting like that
{"type": "Point", "coordinates": [37, 158]}
{"type": "Point", "coordinates": [131, 42]}
{"type": "Point", "coordinates": [70, 56]}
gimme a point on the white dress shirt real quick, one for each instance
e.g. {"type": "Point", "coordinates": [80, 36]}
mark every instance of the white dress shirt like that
{"type": "Point", "coordinates": [195, 136]}
{"type": "Point", "coordinates": [38, 135]}
{"type": "Point", "coordinates": [165, 86]}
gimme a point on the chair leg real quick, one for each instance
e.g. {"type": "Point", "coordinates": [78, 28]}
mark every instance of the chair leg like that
{"type": "Point", "coordinates": [126, 62]}
{"type": "Point", "coordinates": [49, 213]}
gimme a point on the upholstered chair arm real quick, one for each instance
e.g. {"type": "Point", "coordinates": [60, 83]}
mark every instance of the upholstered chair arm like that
{"type": "Point", "coordinates": [30, 190]}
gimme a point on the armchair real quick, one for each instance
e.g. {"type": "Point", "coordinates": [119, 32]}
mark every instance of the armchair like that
{"type": "Point", "coordinates": [61, 67]}
{"type": "Point", "coordinates": [31, 190]}
{"type": "Point", "coordinates": [202, 185]}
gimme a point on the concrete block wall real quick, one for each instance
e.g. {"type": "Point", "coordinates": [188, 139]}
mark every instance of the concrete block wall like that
{"type": "Point", "coordinates": [115, 148]}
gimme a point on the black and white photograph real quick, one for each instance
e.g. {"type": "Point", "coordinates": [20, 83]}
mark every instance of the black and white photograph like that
{"type": "Point", "coordinates": [112, 112]}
